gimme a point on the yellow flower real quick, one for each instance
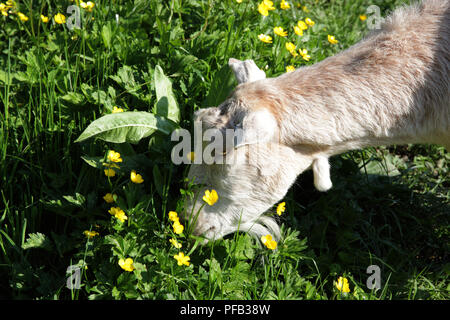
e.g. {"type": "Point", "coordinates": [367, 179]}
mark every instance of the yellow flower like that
{"type": "Point", "coordinates": [284, 5]}
{"type": "Point", "coordinates": [304, 54]}
{"type": "Point", "coordinates": [211, 197]}
{"type": "Point", "coordinates": [290, 68]}
{"type": "Point", "coordinates": [136, 178]}
{"type": "Point", "coordinates": [298, 31]}
{"type": "Point", "coordinates": [109, 198]}
{"type": "Point", "coordinates": [118, 213]}
{"type": "Point", "coordinates": [309, 22]}
{"type": "Point", "coordinates": [281, 207]}
{"type": "Point", "coordinates": [182, 259]}
{"type": "Point", "coordinates": [280, 31]}
{"type": "Point", "coordinates": [191, 156]}
{"type": "Point", "coordinates": [362, 17]}
{"type": "Point", "coordinates": [87, 5]}
{"type": "Point", "coordinates": [126, 264]}
{"type": "Point", "coordinates": [109, 172]}
{"type": "Point", "coordinates": [302, 25]}
{"type": "Point", "coordinates": [116, 110]}
{"type": "Point", "coordinates": [269, 242]}
{"type": "Point", "coordinates": [264, 38]}
{"type": "Point", "coordinates": [44, 19]}
{"type": "Point", "coordinates": [290, 46]}
{"type": "Point", "coordinates": [342, 285]}
{"type": "Point", "coordinates": [114, 156]}
{"type": "Point", "coordinates": [178, 228]}
{"type": "Point", "coordinates": [22, 17]}
{"type": "Point", "coordinates": [263, 10]}
{"type": "Point", "coordinates": [175, 243]}
{"type": "Point", "coordinates": [269, 4]}
{"type": "Point", "coordinates": [90, 234]}
{"type": "Point", "coordinates": [60, 18]}
{"type": "Point", "coordinates": [173, 216]}
{"type": "Point", "coordinates": [239, 1]}
{"type": "Point", "coordinates": [332, 39]}
{"type": "Point", "coordinates": [305, 8]}
{"type": "Point", "coordinates": [4, 12]}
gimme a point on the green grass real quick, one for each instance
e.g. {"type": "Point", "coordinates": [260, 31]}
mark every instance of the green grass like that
{"type": "Point", "coordinates": [389, 206]}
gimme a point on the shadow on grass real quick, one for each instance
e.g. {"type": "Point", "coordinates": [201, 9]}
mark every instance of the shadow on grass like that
{"type": "Point", "coordinates": [371, 219]}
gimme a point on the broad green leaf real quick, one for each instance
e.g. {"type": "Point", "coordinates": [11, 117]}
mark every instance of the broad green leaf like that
{"type": "Point", "coordinates": [73, 98]}
{"type": "Point", "coordinates": [166, 105]}
{"type": "Point", "coordinates": [107, 36]}
{"type": "Point", "coordinates": [37, 240]}
{"type": "Point", "coordinates": [222, 84]}
{"type": "Point", "coordinates": [126, 127]}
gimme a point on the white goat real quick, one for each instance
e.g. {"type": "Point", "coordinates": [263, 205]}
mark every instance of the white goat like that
{"type": "Point", "coordinates": [390, 88]}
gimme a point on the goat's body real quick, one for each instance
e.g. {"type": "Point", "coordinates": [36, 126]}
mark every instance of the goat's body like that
{"type": "Point", "coordinates": [390, 88]}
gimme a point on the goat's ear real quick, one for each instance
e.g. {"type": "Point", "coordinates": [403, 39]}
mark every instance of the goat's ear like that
{"type": "Point", "coordinates": [246, 71]}
{"type": "Point", "coordinates": [258, 126]}
{"type": "Point", "coordinates": [204, 112]}
{"type": "Point", "coordinates": [321, 171]}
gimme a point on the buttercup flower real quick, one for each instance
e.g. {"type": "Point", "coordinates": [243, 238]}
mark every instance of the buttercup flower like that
{"type": "Point", "coordinates": [290, 68]}
{"type": "Point", "coordinates": [304, 54]}
{"type": "Point", "coordinates": [191, 156]}
{"type": "Point", "coordinates": [178, 228]}
{"type": "Point", "coordinates": [211, 197]}
{"type": "Point", "coordinates": [264, 38]}
{"type": "Point", "coordinates": [136, 178]}
{"type": "Point", "coordinates": [280, 31]}
{"type": "Point", "coordinates": [109, 198]}
{"type": "Point", "coordinates": [109, 172]}
{"type": "Point", "coordinates": [284, 5]}
{"type": "Point", "coordinates": [302, 25]}
{"type": "Point", "coordinates": [281, 207]}
{"type": "Point", "coordinates": [44, 19]}
{"type": "Point", "coordinates": [90, 234]}
{"type": "Point", "coordinates": [298, 31]}
{"type": "Point", "coordinates": [342, 285]}
{"type": "Point", "coordinates": [332, 39]}
{"type": "Point", "coordinates": [362, 17]}
{"type": "Point", "coordinates": [87, 5]}
{"type": "Point", "coordinates": [269, 4]}
{"type": "Point", "coordinates": [126, 264]}
{"type": "Point", "coordinates": [309, 22]}
{"type": "Point", "coordinates": [118, 213]}
{"type": "Point", "coordinates": [114, 156]}
{"type": "Point", "coordinates": [22, 17]}
{"type": "Point", "coordinates": [269, 242]}
{"type": "Point", "coordinates": [182, 259]}
{"type": "Point", "coordinates": [173, 216]}
{"type": "Point", "coordinates": [265, 6]}
{"type": "Point", "coordinates": [290, 46]}
{"type": "Point", "coordinates": [5, 7]}
{"type": "Point", "coordinates": [60, 18]}
{"type": "Point", "coordinates": [116, 110]}
{"type": "Point", "coordinates": [175, 243]}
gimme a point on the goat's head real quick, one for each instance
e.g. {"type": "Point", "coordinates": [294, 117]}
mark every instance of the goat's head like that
{"type": "Point", "coordinates": [251, 172]}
